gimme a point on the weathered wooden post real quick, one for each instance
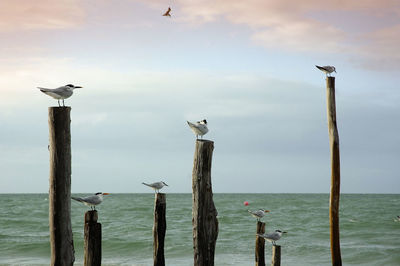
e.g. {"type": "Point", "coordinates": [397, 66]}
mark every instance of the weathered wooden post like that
{"type": "Point", "coordinates": [92, 244]}
{"type": "Point", "coordinates": [159, 229]}
{"type": "Point", "coordinates": [276, 256]}
{"type": "Point", "coordinates": [205, 223]}
{"type": "Point", "coordinates": [260, 245]}
{"type": "Point", "coordinates": [335, 172]}
{"type": "Point", "coordinates": [61, 242]}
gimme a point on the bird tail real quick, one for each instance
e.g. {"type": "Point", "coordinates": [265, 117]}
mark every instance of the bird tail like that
{"type": "Point", "coordinates": [320, 68]}
{"type": "Point", "coordinates": [77, 199]}
{"type": "Point", "coordinates": [146, 184]}
{"type": "Point", "coordinates": [43, 89]}
{"type": "Point", "coordinates": [250, 211]}
{"type": "Point", "coordinates": [260, 235]}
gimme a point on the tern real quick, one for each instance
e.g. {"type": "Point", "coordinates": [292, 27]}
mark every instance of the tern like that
{"type": "Point", "coordinates": [156, 185]}
{"type": "Point", "coordinates": [199, 128]}
{"type": "Point", "coordinates": [258, 214]}
{"type": "Point", "coordinates": [327, 69]}
{"type": "Point", "coordinates": [167, 14]}
{"type": "Point", "coordinates": [60, 93]}
{"type": "Point", "coordinates": [91, 200]}
{"type": "Point", "coordinates": [272, 237]}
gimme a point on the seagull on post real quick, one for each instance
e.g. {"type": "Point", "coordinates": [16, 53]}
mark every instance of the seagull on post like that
{"type": "Point", "coordinates": [199, 128]}
{"type": "Point", "coordinates": [60, 93]}
{"type": "Point", "coordinates": [156, 185]}
{"type": "Point", "coordinates": [167, 13]}
{"type": "Point", "coordinates": [258, 213]}
{"type": "Point", "coordinates": [327, 69]}
{"type": "Point", "coordinates": [272, 237]}
{"type": "Point", "coordinates": [92, 200]}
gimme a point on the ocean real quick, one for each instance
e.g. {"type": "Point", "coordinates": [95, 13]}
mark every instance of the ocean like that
{"type": "Point", "coordinates": [369, 232]}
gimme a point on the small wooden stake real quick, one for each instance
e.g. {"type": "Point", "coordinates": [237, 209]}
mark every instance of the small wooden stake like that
{"type": "Point", "coordinates": [335, 172]}
{"type": "Point", "coordinates": [276, 256]}
{"type": "Point", "coordinates": [92, 239]}
{"type": "Point", "coordinates": [205, 222]}
{"type": "Point", "coordinates": [61, 241]}
{"type": "Point", "coordinates": [159, 229]}
{"type": "Point", "coordinates": [260, 245]}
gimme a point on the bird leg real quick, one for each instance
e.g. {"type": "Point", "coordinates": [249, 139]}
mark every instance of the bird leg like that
{"type": "Point", "coordinates": [63, 103]}
{"type": "Point", "coordinates": [58, 103]}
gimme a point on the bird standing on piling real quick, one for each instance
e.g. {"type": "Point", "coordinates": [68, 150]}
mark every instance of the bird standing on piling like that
{"type": "Point", "coordinates": [167, 13]}
{"type": "Point", "coordinates": [258, 213]}
{"type": "Point", "coordinates": [272, 237]}
{"type": "Point", "coordinates": [327, 69]}
{"type": "Point", "coordinates": [60, 93]}
{"type": "Point", "coordinates": [92, 200]}
{"type": "Point", "coordinates": [199, 128]}
{"type": "Point", "coordinates": [156, 185]}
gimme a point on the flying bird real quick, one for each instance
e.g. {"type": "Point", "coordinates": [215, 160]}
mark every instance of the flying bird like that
{"type": "Point", "coordinates": [327, 69]}
{"type": "Point", "coordinates": [156, 185]}
{"type": "Point", "coordinates": [272, 237]}
{"type": "Point", "coordinates": [167, 14]}
{"type": "Point", "coordinates": [199, 128]}
{"type": "Point", "coordinates": [60, 93]}
{"type": "Point", "coordinates": [258, 213]}
{"type": "Point", "coordinates": [91, 200]}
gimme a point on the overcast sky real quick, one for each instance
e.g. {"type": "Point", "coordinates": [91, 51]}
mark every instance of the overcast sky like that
{"type": "Point", "coordinates": [248, 67]}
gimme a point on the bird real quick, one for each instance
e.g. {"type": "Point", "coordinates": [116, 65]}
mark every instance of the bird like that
{"type": "Point", "coordinates": [327, 69]}
{"type": "Point", "coordinates": [60, 93]}
{"type": "Point", "coordinates": [199, 128]}
{"type": "Point", "coordinates": [258, 213]}
{"type": "Point", "coordinates": [156, 185]}
{"type": "Point", "coordinates": [91, 200]}
{"type": "Point", "coordinates": [272, 237]}
{"type": "Point", "coordinates": [167, 14]}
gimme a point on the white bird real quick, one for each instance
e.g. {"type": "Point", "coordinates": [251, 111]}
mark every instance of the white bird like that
{"type": "Point", "coordinates": [258, 213]}
{"type": "Point", "coordinates": [272, 237]}
{"type": "Point", "coordinates": [91, 200]}
{"type": "Point", "coordinates": [327, 69]}
{"type": "Point", "coordinates": [156, 185]}
{"type": "Point", "coordinates": [167, 14]}
{"type": "Point", "coordinates": [60, 93]}
{"type": "Point", "coordinates": [199, 128]}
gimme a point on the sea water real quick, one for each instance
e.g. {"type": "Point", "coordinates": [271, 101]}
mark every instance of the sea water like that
{"type": "Point", "coordinates": [369, 232]}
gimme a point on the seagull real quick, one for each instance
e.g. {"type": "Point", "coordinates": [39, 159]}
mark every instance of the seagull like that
{"type": "Point", "coordinates": [60, 93]}
{"type": "Point", "coordinates": [272, 237]}
{"type": "Point", "coordinates": [258, 214]}
{"type": "Point", "coordinates": [199, 128]}
{"type": "Point", "coordinates": [167, 14]}
{"type": "Point", "coordinates": [327, 69]}
{"type": "Point", "coordinates": [156, 186]}
{"type": "Point", "coordinates": [91, 200]}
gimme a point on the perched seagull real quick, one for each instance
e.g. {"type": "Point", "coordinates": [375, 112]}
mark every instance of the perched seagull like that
{"type": "Point", "coordinates": [327, 69]}
{"type": "Point", "coordinates": [92, 200]}
{"type": "Point", "coordinates": [60, 93]}
{"type": "Point", "coordinates": [272, 237]}
{"type": "Point", "coordinates": [156, 186]}
{"type": "Point", "coordinates": [199, 128]}
{"type": "Point", "coordinates": [167, 14]}
{"type": "Point", "coordinates": [258, 214]}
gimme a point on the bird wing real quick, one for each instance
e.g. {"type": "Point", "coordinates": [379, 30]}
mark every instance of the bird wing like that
{"type": "Point", "coordinates": [77, 199]}
{"type": "Point", "coordinates": [321, 68]}
{"type": "Point", "coordinates": [44, 89]}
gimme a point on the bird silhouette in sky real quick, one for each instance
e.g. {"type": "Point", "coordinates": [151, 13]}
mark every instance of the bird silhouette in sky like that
{"type": "Point", "coordinates": [167, 14]}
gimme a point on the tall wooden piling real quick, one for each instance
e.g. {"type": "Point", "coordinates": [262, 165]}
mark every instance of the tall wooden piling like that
{"type": "Point", "coordinates": [260, 245]}
{"type": "Point", "coordinates": [335, 172]}
{"type": "Point", "coordinates": [159, 229]}
{"type": "Point", "coordinates": [204, 220]}
{"type": "Point", "coordinates": [92, 242]}
{"type": "Point", "coordinates": [276, 255]}
{"type": "Point", "coordinates": [61, 242]}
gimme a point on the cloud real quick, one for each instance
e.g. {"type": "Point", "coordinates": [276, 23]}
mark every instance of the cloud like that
{"type": "Point", "coordinates": [365, 31]}
{"type": "Point", "coordinates": [45, 14]}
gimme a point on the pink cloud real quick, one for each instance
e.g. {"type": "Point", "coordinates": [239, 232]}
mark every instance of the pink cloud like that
{"type": "Point", "coordinates": [44, 14]}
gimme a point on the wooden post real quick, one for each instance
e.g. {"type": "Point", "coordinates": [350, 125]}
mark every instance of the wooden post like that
{"type": "Point", "coordinates": [335, 172]}
{"type": "Point", "coordinates": [61, 242]}
{"type": "Point", "coordinates": [205, 223]}
{"type": "Point", "coordinates": [260, 245]}
{"type": "Point", "coordinates": [159, 229]}
{"type": "Point", "coordinates": [276, 256]}
{"type": "Point", "coordinates": [92, 239]}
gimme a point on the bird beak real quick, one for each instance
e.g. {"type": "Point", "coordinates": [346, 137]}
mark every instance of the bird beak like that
{"type": "Point", "coordinates": [266, 211]}
{"type": "Point", "coordinates": [284, 232]}
{"type": "Point", "coordinates": [77, 87]}
{"type": "Point", "coordinates": [106, 193]}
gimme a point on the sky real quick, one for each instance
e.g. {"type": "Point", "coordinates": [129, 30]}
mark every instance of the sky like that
{"type": "Point", "coordinates": [248, 67]}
